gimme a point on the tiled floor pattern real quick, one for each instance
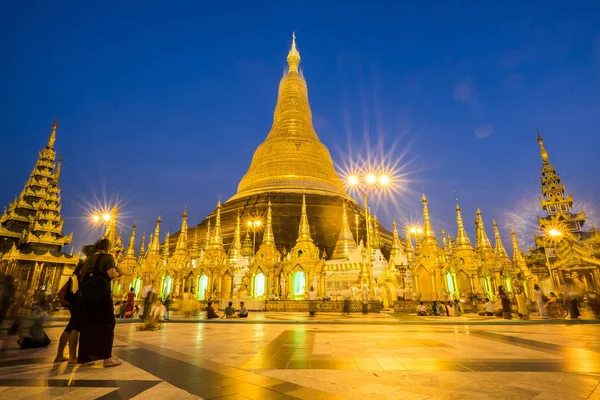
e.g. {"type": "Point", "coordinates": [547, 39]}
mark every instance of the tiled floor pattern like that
{"type": "Point", "coordinates": [253, 361]}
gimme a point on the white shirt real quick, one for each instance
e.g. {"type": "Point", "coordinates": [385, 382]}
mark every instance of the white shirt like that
{"type": "Point", "coordinates": [401, 292]}
{"type": "Point", "coordinates": [489, 307]}
{"type": "Point", "coordinates": [312, 295]}
{"type": "Point", "coordinates": [421, 308]}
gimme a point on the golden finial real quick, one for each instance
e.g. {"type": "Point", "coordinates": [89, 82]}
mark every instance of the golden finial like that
{"type": "Point", "coordinates": [181, 245]}
{"type": "Point", "coordinates": [293, 58]}
{"type": "Point", "coordinates": [543, 151]}
{"type": "Point", "coordinates": [217, 239]}
{"type": "Point", "coordinates": [53, 134]}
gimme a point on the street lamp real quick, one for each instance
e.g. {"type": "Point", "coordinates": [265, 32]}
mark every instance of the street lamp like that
{"type": "Point", "coordinates": [366, 182]}
{"type": "Point", "coordinates": [254, 224]}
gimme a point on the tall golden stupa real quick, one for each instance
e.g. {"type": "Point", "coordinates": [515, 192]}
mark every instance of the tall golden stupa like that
{"type": "Point", "coordinates": [291, 162]}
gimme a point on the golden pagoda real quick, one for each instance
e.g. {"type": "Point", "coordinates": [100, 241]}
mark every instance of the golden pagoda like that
{"type": "Point", "coordinates": [565, 252]}
{"type": "Point", "coordinates": [289, 162]}
{"type": "Point", "coordinates": [31, 228]}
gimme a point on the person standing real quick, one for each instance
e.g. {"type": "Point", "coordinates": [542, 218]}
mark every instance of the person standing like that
{"type": "Point", "coordinates": [522, 309]}
{"type": "Point", "coordinates": [73, 297]}
{"type": "Point", "coordinates": [98, 323]}
{"type": "Point", "coordinates": [506, 311]}
{"type": "Point", "coordinates": [540, 301]}
{"type": "Point", "coordinates": [130, 303]}
{"type": "Point", "coordinates": [400, 293]}
{"type": "Point", "coordinates": [312, 301]}
{"type": "Point", "coordinates": [365, 299]}
{"type": "Point", "coordinates": [346, 295]}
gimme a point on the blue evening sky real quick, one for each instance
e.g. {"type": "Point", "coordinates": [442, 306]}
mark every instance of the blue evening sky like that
{"type": "Point", "coordinates": [166, 101]}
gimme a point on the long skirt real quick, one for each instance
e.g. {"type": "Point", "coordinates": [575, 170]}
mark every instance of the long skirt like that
{"type": "Point", "coordinates": [312, 307]}
{"type": "Point", "coordinates": [97, 330]}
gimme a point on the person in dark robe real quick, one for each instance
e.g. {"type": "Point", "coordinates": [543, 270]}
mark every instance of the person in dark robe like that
{"type": "Point", "coordinates": [505, 300]}
{"type": "Point", "coordinates": [98, 323]}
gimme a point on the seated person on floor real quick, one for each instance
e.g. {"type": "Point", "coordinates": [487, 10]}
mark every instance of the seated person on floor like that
{"type": "Point", "coordinates": [243, 311]}
{"type": "Point", "coordinates": [488, 308]}
{"type": "Point", "coordinates": [450, 309]}
{"type": "Point", "coordinates": [436, 309]}
{"type": "Point", "coordinates": [229, 311]}
{"type": "Point", "coordinates": [210, 311]}
{"type": "Point", "coordinates": [421, 309]}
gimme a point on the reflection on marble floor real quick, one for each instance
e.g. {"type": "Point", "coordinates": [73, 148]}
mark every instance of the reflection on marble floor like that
{"type": "Point", "coordinates": [285, 361]}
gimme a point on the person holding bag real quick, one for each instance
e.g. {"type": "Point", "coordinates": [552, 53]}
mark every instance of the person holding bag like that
{"type": "Point", "coordinates": [98, 322]}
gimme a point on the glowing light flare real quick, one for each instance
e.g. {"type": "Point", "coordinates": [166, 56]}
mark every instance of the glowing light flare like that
{"type": "Point", "coordinates": [353, 180]}
{"type": "Point", "coordinates": [371, 178]}
{"type": "Point", "coordinates": [554, 232]}
{"type": "Point", "coordinates": [96, 218]}
{"type": "Point", "coordinates": [384, 180]}
{"type": "Point", "coordinates": [106, 217]}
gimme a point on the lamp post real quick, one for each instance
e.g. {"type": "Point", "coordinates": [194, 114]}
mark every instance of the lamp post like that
{"type": "Point", "coordinates": [367, 182]}
{"type": "Point", "coordinates": [254, 224]}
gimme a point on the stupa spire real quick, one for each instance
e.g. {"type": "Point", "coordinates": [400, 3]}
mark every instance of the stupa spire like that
{"type": "Point", "coordinates": [247, 247]}
{"type": "Point", "coordinates": [304, 228]}
{"type": "Point", "coordinates": [543, 151]}
{"type": "Point", "coordinates": [499, 249]}
{"type": "Point", "coordinates": [345, 243]}
{"type": "Point", "coordinates": [517, 256]}
{"type": "Point", "coordinates": [396, 245]}
{"type": "Point", "coordinates": [235, 250]}
{"type": "Point", "coordinates": [52, 138]}
{"type": "Point", "coordinates": [482, 242]}
{"type": "Point", "coordinates": [208, 237]}
{"type": "Point", "coordinates": [462, 240]}
{"type": "Point", "coordinates": [217, 238]}
{"type": "Point", "coordinates": [142, 247]}
{"type": "Point", "coordinates": [154, 246]}
{"type": "Point", "coordinates": [165, 252]}
{"type": "Point", "coordinates": [131, 247]}
{"type": "Point", "coordinates": [291, 158]}
{"type": "Point", "coordinates": [268, 237]}
{"type": "Point", "coordinates": [181, 246]}
{"type": "Point", "coordinates": [428, 234]}
{"type": "Point", "coordinates": [293, 58]}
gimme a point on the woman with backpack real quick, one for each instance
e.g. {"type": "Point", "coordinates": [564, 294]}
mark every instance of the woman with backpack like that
{"type": "Point", "coordinates": [70, 297]}
{"type": "Point", "coordinates": [98, 322]}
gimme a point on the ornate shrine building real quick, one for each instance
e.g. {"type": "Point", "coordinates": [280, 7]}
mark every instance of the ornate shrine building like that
{"type": "Point", "coordinates": [312, 233]}
{"type": "Point", "coordinates": [564, 251]}
{"type": "Point", "coordinates": [31, 228]}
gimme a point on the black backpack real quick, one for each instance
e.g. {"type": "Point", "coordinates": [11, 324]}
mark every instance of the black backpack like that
{"type": "Point", "coordinates": [93, 285]}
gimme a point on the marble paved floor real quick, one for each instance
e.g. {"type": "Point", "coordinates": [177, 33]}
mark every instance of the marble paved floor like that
{"type": "Point", "coordinates": [324, 361]}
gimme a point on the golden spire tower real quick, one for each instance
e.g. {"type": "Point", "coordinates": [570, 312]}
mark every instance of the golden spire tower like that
{"type": "Point", "coordinates": [181, 247]}
{"type": "Point", "coordinates": [165, 250]}
{"type": "Point", "coordinates": [142, 251]}
{"type": "Point", "coordinates": [304, 228]}
{"type": "Point", "coordinates": [154, 246]}
{"type": "Point", "coordinates": [207, 238]}
{"type": "Point", "coordinates": [396, 245]}
{"type": "Point", "coordinates": [462, 239]}
{"type": "Point", "coordinates": [268, 237]}
{"type": "Point", "coordinates": [130, 253]}
{"type": "Point", "coordinates": [195, 251]}
{"type": "Point", "coordinates": [345, 244]}
{"type": "Point", "coordinates": [217, 239]}
{"type": "Point", "coordinates": [247, 247]}
{"type": "Point", "coordinates": [292, 158]}
{"type": "Point", "coordinates": [235, 250]}
{"type": "Point", "coordinates": [428, 234]}
{"type": "Point", "coordinates": [482, 240]}
{"type": "Point", "coordinates": [499, 249]}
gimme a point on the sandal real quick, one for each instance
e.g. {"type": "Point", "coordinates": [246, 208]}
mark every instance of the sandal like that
{"type": "Point", "coordinates": [61, 359]}
{"type": "Point", "coordinates": [112, 362]}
